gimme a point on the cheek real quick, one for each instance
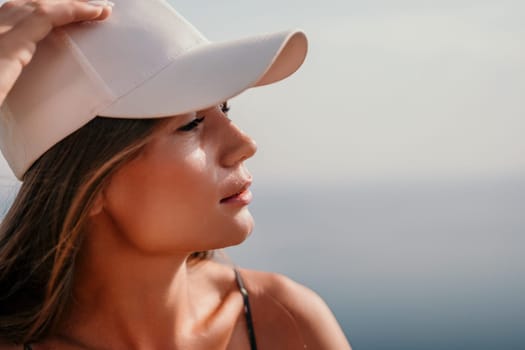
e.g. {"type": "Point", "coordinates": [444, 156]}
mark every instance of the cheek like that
{"type": "Point", "coordinates": [161, 204]}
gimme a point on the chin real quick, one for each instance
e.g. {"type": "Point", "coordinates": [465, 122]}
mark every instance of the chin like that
{"type": "Point", "coordinates": [240, 239]}
{"type": "Point", "coordinates": [236, 234]}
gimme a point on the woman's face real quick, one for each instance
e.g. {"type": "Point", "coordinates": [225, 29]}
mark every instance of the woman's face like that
{"type": "Point", "coordinates": [171, 197]}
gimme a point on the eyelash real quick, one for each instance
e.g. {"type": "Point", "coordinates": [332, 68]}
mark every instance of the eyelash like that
{"type": "Point", "coordinates": [225, 108]}
{"type": "Point", "coordinates": [192, 125]}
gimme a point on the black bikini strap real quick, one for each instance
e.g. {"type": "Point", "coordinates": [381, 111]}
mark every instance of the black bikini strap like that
{"type": "Point", "coordinates": [247, 312]}
{"type": "Point", "coordinates": [247, 309]}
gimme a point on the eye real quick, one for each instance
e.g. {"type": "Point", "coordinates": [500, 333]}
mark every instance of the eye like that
{"type": "Point", "coordinates": [191, 125]}
{"type": "Point", "coordinates": [225, 108]}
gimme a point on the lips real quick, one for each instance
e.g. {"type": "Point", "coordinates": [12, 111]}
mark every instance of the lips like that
{"type": "Point", "coordinates": [237, 192]}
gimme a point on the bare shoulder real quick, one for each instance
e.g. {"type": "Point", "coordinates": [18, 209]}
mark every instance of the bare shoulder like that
{"type": "Point", "coordinates": [313, 318]}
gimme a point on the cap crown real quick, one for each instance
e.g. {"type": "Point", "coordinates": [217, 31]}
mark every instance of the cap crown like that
{"type": "Point", "coordinates": [144, 61]}
{"type": "Point", "coordinates": [80, 69]}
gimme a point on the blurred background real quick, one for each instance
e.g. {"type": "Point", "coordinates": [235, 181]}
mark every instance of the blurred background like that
{"type": "Point", "coordinates": [390, 175]}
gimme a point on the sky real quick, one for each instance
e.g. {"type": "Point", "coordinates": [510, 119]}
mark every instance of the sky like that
{"type": "Point", "coordinates": [402, 93]}
{"type": "Point", "coordinates": [390, 90]}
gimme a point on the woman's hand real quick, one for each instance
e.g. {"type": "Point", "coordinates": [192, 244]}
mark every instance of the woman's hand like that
{"type": "Point", "coordinates": [25, 22]}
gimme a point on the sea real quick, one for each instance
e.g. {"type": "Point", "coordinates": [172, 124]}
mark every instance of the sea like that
{"type": "Point", "coordinates": [421, 265]}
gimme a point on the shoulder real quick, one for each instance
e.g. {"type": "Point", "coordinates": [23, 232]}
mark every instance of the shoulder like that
{"type": "Point", "coordinates": [313, 318]}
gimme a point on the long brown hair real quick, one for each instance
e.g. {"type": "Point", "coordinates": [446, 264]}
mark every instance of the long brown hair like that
{"type": "Point", "coordinates": [43, 229]}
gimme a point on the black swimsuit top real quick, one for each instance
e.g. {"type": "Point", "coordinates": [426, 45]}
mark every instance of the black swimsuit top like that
{"type": "Point", "coordinates": [247, 309]}
{"type": "Point", "coordinates": [247, 312]}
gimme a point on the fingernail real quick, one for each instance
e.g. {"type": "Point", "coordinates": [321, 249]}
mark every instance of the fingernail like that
{"type": "Point", "coordinates": [101, 3]}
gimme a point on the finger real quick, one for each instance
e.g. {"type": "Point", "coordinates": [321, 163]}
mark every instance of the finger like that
{"type": "Point", "coordinates": [20, 42]}
{"type": "Point", "coordinates": [62, 12]}
{"type": "Point", "coordinates": [80, 10]}
{"type": "Point", "coordinates": [12, 12]}
{"type": "Point", "coordinates": [58, 12]}
{"type": "Point", "coordinates": [23, 23]}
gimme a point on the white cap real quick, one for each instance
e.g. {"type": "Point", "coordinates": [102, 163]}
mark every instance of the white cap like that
{"type": "Point", "coordinates": [144, 61]}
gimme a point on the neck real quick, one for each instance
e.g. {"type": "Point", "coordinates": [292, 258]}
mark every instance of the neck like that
{"type": "Point", "coordinates": [141, 300]}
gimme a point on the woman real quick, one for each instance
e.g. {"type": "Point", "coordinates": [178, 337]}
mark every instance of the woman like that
{"type": "Point", "coordinates": [132, 175]}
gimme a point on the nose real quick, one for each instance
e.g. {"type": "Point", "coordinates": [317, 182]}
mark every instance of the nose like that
{"type": "Point", "coordinates": [238, 146]}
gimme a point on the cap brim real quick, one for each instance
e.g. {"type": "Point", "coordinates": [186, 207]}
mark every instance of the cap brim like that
{"type": "Point", "coordinates": [212, 73]}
